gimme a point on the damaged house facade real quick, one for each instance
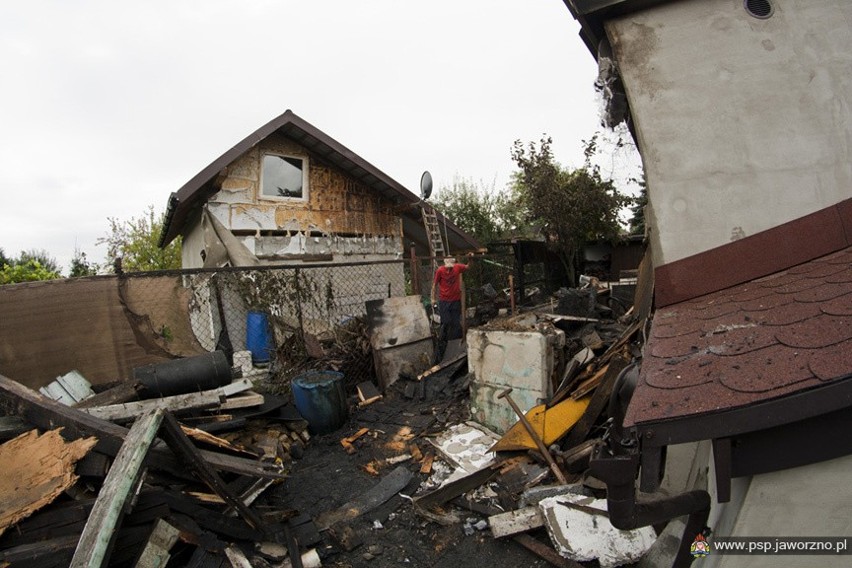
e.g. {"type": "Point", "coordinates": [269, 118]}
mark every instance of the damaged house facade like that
{"type": "Point", "coordinates": [742, 113]}
{"type": "Point", "coordinates": [290, 195]}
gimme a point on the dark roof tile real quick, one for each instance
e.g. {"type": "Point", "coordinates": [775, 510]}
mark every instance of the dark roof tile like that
{"type": "Point", "coordinates": [684, 372]}
{"type": "Point", "coordinates": [750, 343]}
{"type": "Point", "coordinates": [728, 341]}
{"type": "Point", "coordinates": [821, 331]}
{"type": "Point", "coordinates": [832, 362]}
{"type": "Point", "coordinates": [764, 370]}
{"type": "Point", "coordinates": [840, 306]}
{"type": "Point", "coordinates": [825, 291]}
{"type": "Point", "coordinates": [768, 302]}
{"type": "Point", "coordinates": [844, 277]}
{"type": "Point", "coordinates": [792, 313]}
{"type": "Point", "coordinates": [794, 286]}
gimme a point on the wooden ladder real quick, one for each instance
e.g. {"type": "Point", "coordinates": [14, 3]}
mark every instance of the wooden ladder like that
{"type": "Point", "coordinates": [433, 232]}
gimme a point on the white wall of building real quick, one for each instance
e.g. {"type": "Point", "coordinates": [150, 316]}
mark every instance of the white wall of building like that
{"type": "Point", "coordinates": [743, 123]}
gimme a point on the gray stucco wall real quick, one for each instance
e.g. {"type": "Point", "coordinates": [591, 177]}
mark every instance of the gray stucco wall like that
{"type": "Point", "coordinates": [743, 123]}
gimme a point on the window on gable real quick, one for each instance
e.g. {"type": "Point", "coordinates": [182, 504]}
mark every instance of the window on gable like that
{"type": "Point", "coordinates": [284, 177]}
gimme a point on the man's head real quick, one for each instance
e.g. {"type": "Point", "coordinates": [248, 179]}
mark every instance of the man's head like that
{"type": "Point", "coordinates": [449, 261]}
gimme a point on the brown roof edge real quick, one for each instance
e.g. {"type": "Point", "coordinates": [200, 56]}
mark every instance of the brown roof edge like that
{"type": "Point", "coordinates": [809, 237]}
{"type": "Point", "coordinates": [187, 198]}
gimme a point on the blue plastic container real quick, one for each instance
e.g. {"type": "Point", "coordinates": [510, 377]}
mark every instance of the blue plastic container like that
{"type": "Point", "coordinates": [320, 398]}
{"type": "Point", "coordinates": [259, 337]}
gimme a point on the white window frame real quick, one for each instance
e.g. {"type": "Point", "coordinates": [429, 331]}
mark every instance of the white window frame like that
{"type": "Point", "coordinates": [305, 169]}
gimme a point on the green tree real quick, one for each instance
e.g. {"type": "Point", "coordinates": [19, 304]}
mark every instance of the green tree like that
{"type": "Point", "coordinates": [41, 257]}
{"type": "Point", "coordinates": [4, 260]}
{"type": "Point", "coordinates": [135, 242]}
{"type": "Point", "coordinates": [637, 219]}
{"type": "Point", "coordinates": [26, 271]}
{"type": "Point", "coordinates": [479, 210]}
{"type": "Point", "coordinates": [569, 207]}
{"type": "Point", "coordinates": [80, 265]}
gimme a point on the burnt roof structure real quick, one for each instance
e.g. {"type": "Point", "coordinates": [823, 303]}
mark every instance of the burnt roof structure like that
{"type": "Point", "coordinates": [185, 201]}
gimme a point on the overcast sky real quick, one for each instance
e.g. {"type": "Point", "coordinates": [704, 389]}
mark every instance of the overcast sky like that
{"type": "Point", "coordinates": [109, 106]}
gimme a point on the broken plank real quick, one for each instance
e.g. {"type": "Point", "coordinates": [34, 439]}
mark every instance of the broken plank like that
{"type": "Point", "coordinates": [244, 400]}
{"type": "Point", "coordinates": [371, 499]}
{"type": "Point", "coordinates": [368, 391]}
{"type": "Point", "coordinates": [442, 365]}
{"type": "Point", "coordinates": [125, 391]}
{"type": "Point", "coordinates": [12, 427]}
{"type": "Point", "coordinates": [455, 488]}
{"type": "Point", "coordinates": [178, 402]}
{"type": "Point", "coordinates": [48, 414]}
{"type": "Point", "coordinates": [182, 446]}
{"type": "Point", "coordinates": [36, 470]}
{"type": "Point", "coordinates": [514, 522]}
{"type": "Point", "coordinates": [99, 532]}
{"type": "Point", "coordinates": [237, 557]}
{"type": "Point", "coordinates": [44, 554]}
{"type": "Point", "coordinates": [211, 440]}
{"type": "Point", "coordinates": [544, 551]}
{"type": "Point", "coordinates": [158, 548]}
{"type": "Point", "coordinates": [597, 403]}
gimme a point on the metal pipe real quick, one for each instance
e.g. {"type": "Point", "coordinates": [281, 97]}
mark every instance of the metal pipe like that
{"type": "Point", "coordinates": [626, 512]}
{"type": "Point", "coordinates": [536, 438]}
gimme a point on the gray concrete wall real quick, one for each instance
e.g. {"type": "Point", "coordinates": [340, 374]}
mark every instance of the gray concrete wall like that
{"type": "Point", "coordinates": [743, 123]}
{"type": "Point", "coordinates": [812, 500]}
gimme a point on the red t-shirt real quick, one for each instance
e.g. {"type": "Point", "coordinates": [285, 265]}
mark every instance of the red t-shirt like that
{"type": "Point", "coordinates": [448, 280]}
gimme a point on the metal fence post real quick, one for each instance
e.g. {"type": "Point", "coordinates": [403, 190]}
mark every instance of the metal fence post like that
{"type": "Point", "coordinates": [415, 276]}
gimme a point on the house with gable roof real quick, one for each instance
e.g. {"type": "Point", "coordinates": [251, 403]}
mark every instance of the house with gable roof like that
{"type": "Point", "coordinates": [289, 193]}
{"type": "Point", "coordinates": [742, 113]}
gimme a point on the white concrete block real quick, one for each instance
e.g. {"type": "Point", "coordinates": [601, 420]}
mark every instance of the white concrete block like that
{"type": "Point", "coordinates": [520, 360]}
{"type": "Point", "coordinates": [582, 535]}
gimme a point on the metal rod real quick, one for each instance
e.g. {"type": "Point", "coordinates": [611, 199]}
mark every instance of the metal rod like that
{"type": "Point", "coordinates": [538, 441]}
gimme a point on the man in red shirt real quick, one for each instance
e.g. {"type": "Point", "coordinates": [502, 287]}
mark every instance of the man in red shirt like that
{"type": "Point", "coordinates": [448, 283]}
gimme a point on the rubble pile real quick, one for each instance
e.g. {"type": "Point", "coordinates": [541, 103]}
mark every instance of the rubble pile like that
{"type": "Point", "coordinates": [142, 479]}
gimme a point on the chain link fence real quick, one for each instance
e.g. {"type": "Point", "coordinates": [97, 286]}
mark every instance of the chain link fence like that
{"type": "Point", "coordinates": [289, 319]}
{"type": "Point", "coordinates": [283, 321]}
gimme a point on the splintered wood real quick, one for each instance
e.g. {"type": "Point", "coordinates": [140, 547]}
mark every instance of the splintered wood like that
{"type": "Point", "coordinates": [36, 470]}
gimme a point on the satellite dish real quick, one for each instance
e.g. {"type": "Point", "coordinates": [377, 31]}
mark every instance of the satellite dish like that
{"type": "Point", "coordinates": [425, 185]}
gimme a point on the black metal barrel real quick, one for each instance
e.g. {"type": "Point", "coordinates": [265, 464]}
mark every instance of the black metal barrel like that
{"type": "Point", "coordinates": [190, 374]}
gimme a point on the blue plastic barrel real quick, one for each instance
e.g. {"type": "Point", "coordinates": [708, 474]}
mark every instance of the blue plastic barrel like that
{"type": "Point", "coordinates": [320, 398]}
{"type": "Point", "coordinates": [259, 337]}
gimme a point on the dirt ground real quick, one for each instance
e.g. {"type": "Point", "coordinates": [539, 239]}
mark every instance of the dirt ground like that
{"type": "Point", "coordinates": [326, 477]}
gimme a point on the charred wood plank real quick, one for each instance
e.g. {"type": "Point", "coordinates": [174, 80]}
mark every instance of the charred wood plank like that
{"type": "Point", "coordinates": [371, 499]}
{"type": "Point", "coordinates": [455, 488]}
{"type": "Point", "coordinates": [544, 551]}
{"type": "Point", "coordinates": [99, 532]}
{"type": "Point", "coordinates": [42, 412]}
{"type": "Point", "coordinates": [175, 403]}
{"type": "Point", "coordinates": [125, 391]}
{"type": "Point", "coordinates": [178, 441]}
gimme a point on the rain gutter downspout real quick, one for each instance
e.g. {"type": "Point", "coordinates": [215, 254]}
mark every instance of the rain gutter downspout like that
{"type": "Point", "coordinates": [616, 463]}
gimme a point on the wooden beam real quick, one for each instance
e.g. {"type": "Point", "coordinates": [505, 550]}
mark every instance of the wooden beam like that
{"type": "Point", "coordinates": [178, 402]}
{"type": "Point", "coordinates": [99, 532]}
{"type": "Point", "coordinates": [514, 522]}
{"type": "Point", "coordinates": [42, 412]}
{"type": "Point", "coordinates": [124, 391]}
{"type": "Point", "coordinates": [545, 552]}
{"type": "Point", "coordinates": [377, 495]}
{"type": "Point", "coordinates": [183, 447]}
{"type": "Point", "coordinates": [157, 550]}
